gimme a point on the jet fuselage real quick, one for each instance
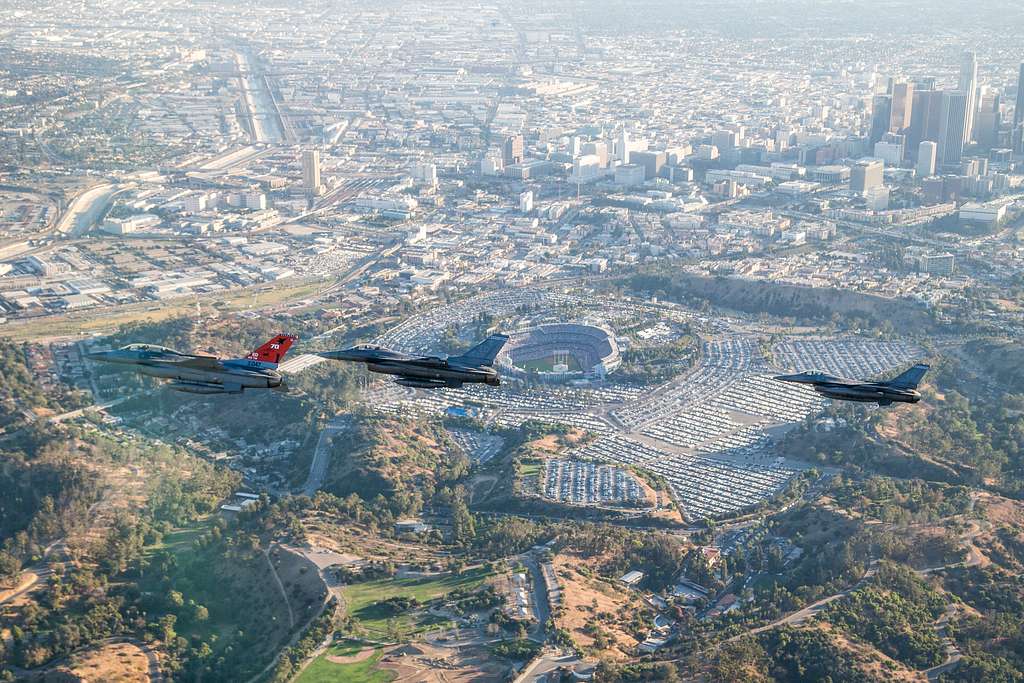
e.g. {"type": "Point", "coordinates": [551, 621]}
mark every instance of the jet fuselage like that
{"type": "Point", "coordinates": [425, 372]}
{"type": "Point", "coordinates": [201, 374]}
{"type": "Point", "coordinates": [232, 379]}
{"type": "Point", "coordinates": [902, 389]}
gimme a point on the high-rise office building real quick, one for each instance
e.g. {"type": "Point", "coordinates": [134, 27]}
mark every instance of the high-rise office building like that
{"type": "Point", "coordinates": [586, 168]}
{"type": "Point", "coordinates": [652, 162]}
{"type": "Point", "coordinates": [952, 127]}
{"type": "Point", "coordinates": [624, 146]}
{"type": "Point", "coordinates": [1018, 112]}
{"type": "Point", "coordinates": [988, 118]}
{"type": "Point", "coordinates": [311, 171]}
{"type": "Point", "coordinates": [598, 149]}
{"type": "Point", "coordinates": [926, 155]}
{"type": "Point", "coordinates": [866, 174]}
{"type": "Point", "coordinates": [925, 116]}
{"type": "Point", "coordinates": [968, 84]}
{"type": "Point", "coordinates": [1017, 132]}
{"type": "Point", "coordinates": [725, 139]}
{"type": "Point", "coordinates": [890, 148]}
{"type": "Point", "coordinates": [512, 151]}
{"type": "Point", "coordinates": [901, 108]}
{"type": "Point", "coordinates": [881, 115]}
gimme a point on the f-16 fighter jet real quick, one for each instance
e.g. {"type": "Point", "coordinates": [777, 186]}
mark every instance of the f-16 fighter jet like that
{"type": "Point", "coordinates": [199, 374]}
{"type": "Point", "coordinates": [901, 389]}
{"type": "Point", "coordinates": [430, 372]}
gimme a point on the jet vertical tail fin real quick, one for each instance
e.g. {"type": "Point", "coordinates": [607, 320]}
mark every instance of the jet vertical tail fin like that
{"type": "Point", "coordinates": [909, 379]}
{"type": "Point", "coordinates": [271, 353]}
{"type": "Point", "coordinates": [483, 353]}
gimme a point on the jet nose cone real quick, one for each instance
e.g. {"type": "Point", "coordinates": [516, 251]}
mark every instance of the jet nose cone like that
{"type": "Point", "coordinates": [341, 354]}
{"type": "Point", "coordinates": [96, 355]}
{"type": "Point", "coordinates": [788, 378]}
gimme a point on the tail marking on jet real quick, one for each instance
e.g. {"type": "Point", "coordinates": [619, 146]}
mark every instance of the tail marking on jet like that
{"type": "Point", "coordinates": [271, 353]}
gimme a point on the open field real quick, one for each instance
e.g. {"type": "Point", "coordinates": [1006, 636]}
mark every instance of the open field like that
{"type": "Point", "coordinates": [112, 663]}
{"type": "Point", "coordinates": [532, 467]}
{"type": "Point", "coordinates": [548, 364]}
{"type": "Point", "coordinates": [585, 598]}
{"type": "Point", "coordinates": [323, 670]}
{"type": "Point", "coordinates": [363, 598]}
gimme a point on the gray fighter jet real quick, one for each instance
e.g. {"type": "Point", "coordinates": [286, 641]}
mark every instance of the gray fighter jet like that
{"type": "Point", "coordinates": [900, 389]}
{"type": "Point", "coordinates": [198, 374]}
{"type": "Point", "coordinates": [430, 372]}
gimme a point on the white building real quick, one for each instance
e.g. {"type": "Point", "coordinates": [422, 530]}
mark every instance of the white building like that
{"type": "Point", "coordinates": [927, 153]}
{"type": "Point", "coordinates": [987, 215]}
{"type": "Point", "coordinates": [424, 174]}
{"type": "Point", "coordinates": [255, 200]}
{"type": "Point", "coordinates": [889, 152]}
{"type": "Point", "coordinates": [877, 198]}
{"type": "Point", "coordinates": [526, 202]}
{"type": "Point", "coordinates": [195, 203]}
{"type": "Point", "coordinates": [586, 168]}
{"type": "Point", "coordinates": [629, 175]}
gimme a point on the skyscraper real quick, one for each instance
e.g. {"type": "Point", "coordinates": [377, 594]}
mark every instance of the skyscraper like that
{"type": "Point", "coordinates": [881, 115]}
{"type": "Point", "coordinates": [1017, 132]}
{"type": "Point", "coordinates": [952, 127]}
{"type": "Point", "coordinates": [968, 84]}
{"type": "Point", "coordinates": [311, 171]}
{"type": "Point", "coordinates": [988, 118]}
{"type": "Point", "coordinates": [624, 146]}
{"type": "Point", "coordinates": [512, 152]}
{"type": "Point", "coordinates": [1018, 112]}
{"type": "Point", "coordinates": [902, 107]}
{"type": "Point", "coordinates": [926, 159]}
{"type": "Point", "coordinates": [925, 118]}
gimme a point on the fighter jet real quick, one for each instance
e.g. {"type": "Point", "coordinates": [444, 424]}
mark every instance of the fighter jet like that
{"type": "Point", "coordinates": [430, 372]}
{"type": "Point", "coordinates": [900, 389]}
{"type": "Point", "coordinates": [199, 374]}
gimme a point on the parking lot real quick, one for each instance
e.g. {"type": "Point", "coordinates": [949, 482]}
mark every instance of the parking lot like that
{"type": "Point", "coordinates": [587, 483]}
{"type": "Point", "coordinates": [706, 431]}
{"type": "Point", "coordinates": [479, 446]}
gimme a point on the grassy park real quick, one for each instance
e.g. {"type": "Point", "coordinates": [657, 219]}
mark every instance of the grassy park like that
{"type": "Point", "coordinates": [365, 600]}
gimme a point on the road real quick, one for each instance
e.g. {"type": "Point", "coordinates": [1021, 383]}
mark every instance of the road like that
{"type": "Point", "coordinates": [537, 671]}
{"type": "Point", "coordinates": [541, 609]}
{"type": "Point", "coordinates": [953, 655]}
{"type": "Point", "coordinates": [322, 454]}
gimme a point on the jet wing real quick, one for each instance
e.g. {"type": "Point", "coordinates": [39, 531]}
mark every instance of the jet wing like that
{"type": "Point", "coordinates": [840, 382]}
{"type": "Point", "coordinates": [197, 362]}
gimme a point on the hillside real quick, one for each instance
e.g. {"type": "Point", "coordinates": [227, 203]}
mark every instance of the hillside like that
{"type": "Point", "coordinates": [804, 304]}
{"type": "Point", "coordinates": [403, 460]}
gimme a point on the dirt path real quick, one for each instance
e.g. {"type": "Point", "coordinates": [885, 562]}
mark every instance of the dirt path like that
{"type": "Point", "coordinates": [29, 578]}
{"type": "Point", "coordinates": [360, 656]}
{"type": "Point", "coordinates": [280, 587]}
